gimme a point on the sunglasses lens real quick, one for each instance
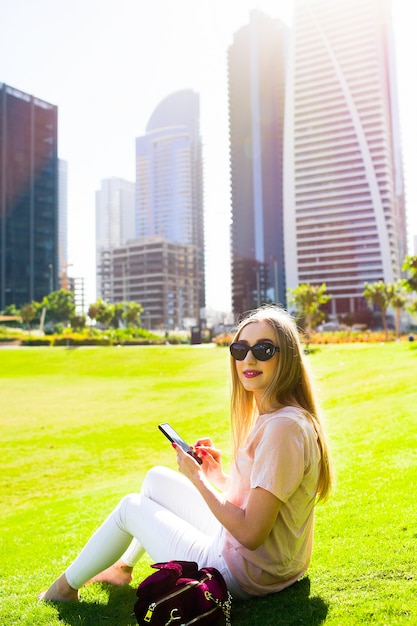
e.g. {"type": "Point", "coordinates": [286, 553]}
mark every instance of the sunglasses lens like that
{"type": "Point", "coordinates": [239, 351]}
{"type": "Point", "coordinates": [263, 351]}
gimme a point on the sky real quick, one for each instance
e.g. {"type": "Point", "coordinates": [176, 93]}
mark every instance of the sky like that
{"type": "Point", "coordinates": [107, 64]}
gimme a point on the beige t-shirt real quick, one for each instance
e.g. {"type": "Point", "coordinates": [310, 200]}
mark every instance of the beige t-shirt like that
{"type": "Point", "coordinates": [281, 456]}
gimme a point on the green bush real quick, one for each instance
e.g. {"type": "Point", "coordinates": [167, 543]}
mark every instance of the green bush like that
{"type": "Point", "coordinates": [75, 339]}
{"type": "Point", "coordinates": [37, 341]}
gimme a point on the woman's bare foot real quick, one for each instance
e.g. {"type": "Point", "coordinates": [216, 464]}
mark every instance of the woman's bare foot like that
{"type": "Point", "coordinates": [118, 574]}
{"type": "Point", "coordinates": [60, 591]}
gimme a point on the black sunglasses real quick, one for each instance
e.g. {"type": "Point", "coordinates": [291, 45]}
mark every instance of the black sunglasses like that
{"type": "Point", "coordinates": [261, 351]}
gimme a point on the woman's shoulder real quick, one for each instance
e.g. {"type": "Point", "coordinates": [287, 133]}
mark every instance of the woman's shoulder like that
{"type": "Point", "coordinates": [286, 426]}
{"type": "Point", "coordinates": [285, 413]}
{"type": "Point", "coordinates": [287, 417]}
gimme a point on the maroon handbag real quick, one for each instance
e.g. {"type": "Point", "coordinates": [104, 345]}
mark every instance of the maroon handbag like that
{"type": "Point", "coordinates": [181, 594]}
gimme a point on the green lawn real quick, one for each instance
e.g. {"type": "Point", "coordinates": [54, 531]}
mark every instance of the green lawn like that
{"type": "Point", "coordinates": [78, 431]}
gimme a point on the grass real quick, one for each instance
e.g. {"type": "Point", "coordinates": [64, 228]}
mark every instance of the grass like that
{"type": "Point", "coordinates": [78, 431]}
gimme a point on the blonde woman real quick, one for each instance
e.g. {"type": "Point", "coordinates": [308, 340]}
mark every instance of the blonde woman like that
{"type": "Point", "coordinates": [254, 525]}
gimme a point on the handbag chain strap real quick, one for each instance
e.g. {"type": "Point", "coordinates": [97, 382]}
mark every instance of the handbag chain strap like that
{"type": "Point", "coordinates": [225, 606]}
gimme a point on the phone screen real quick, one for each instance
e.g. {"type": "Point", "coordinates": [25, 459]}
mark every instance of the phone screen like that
{"type": "Point", "coordinates": [173, 436]}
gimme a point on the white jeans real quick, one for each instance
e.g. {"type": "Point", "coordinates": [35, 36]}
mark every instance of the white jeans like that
{"type": "Point", "coordinates": [169, 519]}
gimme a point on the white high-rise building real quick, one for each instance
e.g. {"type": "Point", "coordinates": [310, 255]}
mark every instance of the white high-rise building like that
{"type": "Point", "coordinates": [115, 218]}
{"type": "Point", "coordinates": [344, 212]}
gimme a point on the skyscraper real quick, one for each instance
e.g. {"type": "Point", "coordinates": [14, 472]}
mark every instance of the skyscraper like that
{"type": "Point", "coordinates": [115, 218]}
{"type": "Point", "coordinates": [63, 223]}
{"type": "Point", "coordinates": [256, 69]}
{"type": "Point", "coordinates": [344, 199]}
{"type": "Point", "coordinates": [28, 197]}
{"type": "Point", "coordinates": [169, 181]}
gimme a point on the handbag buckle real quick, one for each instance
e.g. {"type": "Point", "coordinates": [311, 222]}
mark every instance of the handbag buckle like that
{"type": "Point", "coordinates": [173, 617]}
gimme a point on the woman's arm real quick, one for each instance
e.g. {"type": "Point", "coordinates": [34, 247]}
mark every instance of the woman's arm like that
{"type": "Point", "coordinates": [249, 526]}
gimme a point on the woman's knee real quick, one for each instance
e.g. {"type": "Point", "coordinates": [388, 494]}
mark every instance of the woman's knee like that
{"type": "Point", "coordinates": [126, 504]}
{"type": "Point", "coordinates": [156, 478]}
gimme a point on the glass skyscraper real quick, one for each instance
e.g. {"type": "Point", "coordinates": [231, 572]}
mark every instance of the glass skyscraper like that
{"type": "Point", "coordinates": [28, 198]}
{"type": "Point", "coordinates": [256, 81]}
{"type": "Point", "coordinates": [344, 199]}
{"type": "Point", "coordinates": [169, 181]}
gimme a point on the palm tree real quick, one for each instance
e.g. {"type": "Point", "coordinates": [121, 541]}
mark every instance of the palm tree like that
{"type": "Point", "coordinates": [398, 301]}
{"type": "Point", "coordinates": [379, 294]}
{"type": "Point", "coordinates": [307, 300]}
{"type": "Point", "coordinates": [132, 313]}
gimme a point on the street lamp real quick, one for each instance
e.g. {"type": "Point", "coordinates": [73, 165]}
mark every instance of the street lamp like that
{"type": "Point", "coordinates": [51, 278]}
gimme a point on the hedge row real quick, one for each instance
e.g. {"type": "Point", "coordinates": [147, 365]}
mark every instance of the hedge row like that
{"type": "Point", "coordinates": [58, 340]}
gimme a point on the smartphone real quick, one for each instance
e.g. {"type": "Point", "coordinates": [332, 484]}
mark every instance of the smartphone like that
{"type": "Point", "coordinates": [173, 436]}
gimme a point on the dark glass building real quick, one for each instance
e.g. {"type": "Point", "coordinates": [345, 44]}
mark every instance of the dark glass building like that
{"type": "Point", "coordinates": [28, 198]}
{"type": "Point", "coordinates": [256, 66]}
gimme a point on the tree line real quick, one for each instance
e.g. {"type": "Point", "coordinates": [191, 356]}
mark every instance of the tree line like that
{"type": "Point", "coordinates": [308, 299]}
{"type": "Point", "coordinates": [58, 310]}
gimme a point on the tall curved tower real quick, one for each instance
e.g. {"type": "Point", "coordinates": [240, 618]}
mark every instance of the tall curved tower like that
{"type": "Point", "coordinates": [344, 212]}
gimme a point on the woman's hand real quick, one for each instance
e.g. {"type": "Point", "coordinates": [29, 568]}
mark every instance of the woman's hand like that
{"type": "Point", "coordinates": [212, 462]}
{"type": "Point", "coordinates": [187, 465]}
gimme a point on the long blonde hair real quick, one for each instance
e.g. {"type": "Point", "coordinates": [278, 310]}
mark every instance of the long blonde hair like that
{"type": "Point", "coordinates": [291, 386]}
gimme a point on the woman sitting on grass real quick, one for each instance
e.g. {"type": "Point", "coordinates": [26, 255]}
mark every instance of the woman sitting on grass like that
{"type": "Point", "coordinates": [256, 525]}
